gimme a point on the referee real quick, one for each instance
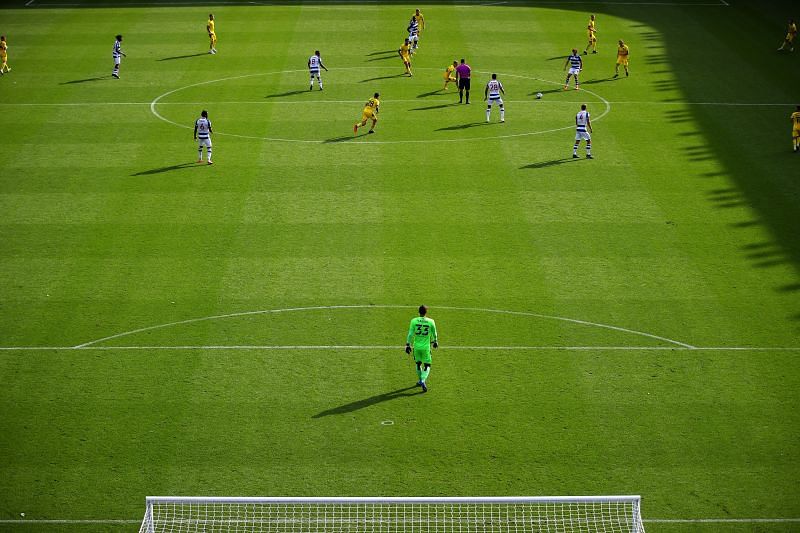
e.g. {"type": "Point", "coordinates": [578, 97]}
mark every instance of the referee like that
{"type": "Point", "coordinates": [463, 72]}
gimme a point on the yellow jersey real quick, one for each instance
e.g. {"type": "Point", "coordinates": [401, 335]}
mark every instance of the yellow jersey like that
{"type": "Point", "coordinates": [420, 20]}
{"type": "Point", "coordinates": [3, 48]}
{"type": "Point", "coordinates": [791, 33]}
{"type": "Point", "coordinates": [405, 50]}
{"type": "Point", "coordinates": [210, 26]}
{"type": "Point", "coordinates": [622, 51]}
{"type": "Point", "coordinates": [796, 120]}
{"type": "Point", "coordinates": [448, 73]}
{"type": "Point", "coordinates": [590, 29]}
{"type": "Point", "coordinates": [372, 105]}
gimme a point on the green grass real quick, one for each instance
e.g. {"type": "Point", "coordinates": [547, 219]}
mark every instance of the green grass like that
{"type": "Point", "coordinates": [683, 228]}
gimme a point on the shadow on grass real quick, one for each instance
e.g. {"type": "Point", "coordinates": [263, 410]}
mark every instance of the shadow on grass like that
{"type": "Point", "coordinates": [287, 93]}
{"type": "Point", "coordinates": [384, 77]}
{"type": "Point", "coordinates": [167, 169]}
{"type": "Point", "coordinates": [430, 93]}
{"type": "Point", "coordinates": [430, 107]}
{"type": "Point", "coordinates": [383, 58]}
{"type": "Point", "coordinates": [551, 163]}
{"type": "Point", "coordinates": [367, 402]}
{"type": "Point", "coordinates": [382, 52]}
{"type": "Point", "coordinates": [463, 126]}
{"type": "Point", "coordinates": [183, 57]}
{"type": "Point", "coordinates": [85, 80]}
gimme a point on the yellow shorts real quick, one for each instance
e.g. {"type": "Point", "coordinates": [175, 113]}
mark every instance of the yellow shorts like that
{"type": "Point", "coordinates": [622, 60]}
{"type": "Point", "coordinates": [449, 78]}
{"type": "Point", "coordinates": [795, 133]}
{"type": "Point", "coordinates": [592, 38]}
{"type": "Point", "coordinates": [213, 37]}
{"type": "Point", "coordinates": [790, 37]}
{"type": "Point", "coordinates": [368, 114]}
{"type": "Point", "coordinates": [406, 58]}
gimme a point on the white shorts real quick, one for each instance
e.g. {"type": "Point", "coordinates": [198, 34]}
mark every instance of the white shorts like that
{"type": "Point", "coordinates": [204, 142]}
{"type": "Point", "coordinates": [574, 71]}
{"type": "Point", "coordinates": [495, 101]}
{"type": "Point", "coordinates": [583, 136]}
{"type": "Point", "coordinates": [413, 39]}
{"type": "Point", "coordinates": [117, 60]}
{"type": "Point", "coordinates": [314, 73]}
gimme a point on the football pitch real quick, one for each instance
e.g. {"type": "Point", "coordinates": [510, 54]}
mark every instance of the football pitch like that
{"type": "Point", "coordinates": [628, 324]}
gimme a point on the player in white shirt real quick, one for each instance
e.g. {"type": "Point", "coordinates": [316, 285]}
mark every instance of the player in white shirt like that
{"type": "Point", "coordinates": [492, 93]}
{"type": "Point", "coordinates": [202, 133]}
{"type": "Point", "coordinates": [117, 54]}
{"type": "Point", "coordinates": [413, 34]}
{"type": "Point", "coordinates": [314, 64]}
{"type": "Point", "coordinates": [583, 130]}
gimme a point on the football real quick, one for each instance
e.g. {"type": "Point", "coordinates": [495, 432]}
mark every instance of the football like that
{"type": "Point", "coordinates": [538, 96]}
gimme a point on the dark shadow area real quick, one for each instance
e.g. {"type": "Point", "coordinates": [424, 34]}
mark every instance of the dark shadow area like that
{"type": "Point", "coordinates": [343, 138]}
{"type": "Point", "coordinates": [86, 80]}
{"type": "Point", "coordinates": [169, 168]}
{"type": "Point", "coordinates": [367, 402]}
{"type": "Point", "coordinates": [430, 107]}
{"type": "Point", "coordinates": [183, 57]}
{"type": "Point", "coordinates": [430, 93]}
{"type": "Point", "coordinates": [551, 163]}
{"type": "Point", "coordinates": [401, 75]}
{"type": "Point", "coordinates": [384, 58]}
{"type": "Point", "coordinates": [463, 126]}
{"type": "Point", "coordinates": [393, 52]}
{"type": "Point", "coordinates": [288, 93]}
{"type": "Point", "coordinates": [594, 81]}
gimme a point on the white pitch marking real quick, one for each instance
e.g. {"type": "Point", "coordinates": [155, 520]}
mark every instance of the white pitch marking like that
{"type": "Point", "coordinates": [29, 3]}
{"type": "Point", "coordinates": [362, 142]}
{"type": "Point", "coordinates": [331, 307]}
{"type": "Point", "coordinates": [438, 100]}
{"type": "Point", "coordinates": [397, 347]}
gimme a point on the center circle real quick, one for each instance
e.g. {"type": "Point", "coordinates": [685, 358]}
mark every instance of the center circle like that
{"type": "Point", "coordinates": [337, 111]}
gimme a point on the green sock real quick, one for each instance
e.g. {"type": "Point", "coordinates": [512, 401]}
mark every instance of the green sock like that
{"type": "Point", "coordinates": [424, 374]}
{"type": "Point", "coordinates": [419, 373]}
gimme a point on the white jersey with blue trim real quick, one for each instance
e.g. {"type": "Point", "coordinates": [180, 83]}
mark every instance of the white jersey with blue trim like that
{"type": "Point", "coordinates": [203, 126]}
{"type": "Point", "coordinates": [581, 121]}
{"type": "Point", "coordinates": [314, 63]}
{"type": "Point", "coordinates": [494, 88]}
{"type": "Point", "coordinates": [575, 61]}
{"type": "Point", "coordinates": [117, 49]}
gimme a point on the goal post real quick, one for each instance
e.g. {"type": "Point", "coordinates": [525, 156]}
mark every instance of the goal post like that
{"type": "Point", "coordinates": [500, 514]}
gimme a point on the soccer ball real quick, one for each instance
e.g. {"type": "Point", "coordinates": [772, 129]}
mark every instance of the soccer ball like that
{"type": "Point", "coordinates": [539, 96]}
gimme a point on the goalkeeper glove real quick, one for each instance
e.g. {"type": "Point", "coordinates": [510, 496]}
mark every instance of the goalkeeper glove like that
{"type": "Point", "coordinates": [435, 344]}
{"type": "Point", "coordinates": [408, 348]}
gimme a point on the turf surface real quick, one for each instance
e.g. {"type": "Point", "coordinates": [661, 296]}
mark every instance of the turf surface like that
{"type": "Point", "coordinates": [681, 233]}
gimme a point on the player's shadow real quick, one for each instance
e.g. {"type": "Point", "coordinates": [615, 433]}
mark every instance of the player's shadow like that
{"type": "Point", "coordinates": [548, 91]}
{"type": "Point", "coordinates": [166, 169]}
{"type": "Point", "coordinates": [384, 58]}
{"type": "Point", "coordinates": [430, 107]}
{"type": "Point", "coordinates": [463, 126]}
{"type": "Point", "coordinates": [382, 52]}
{"type": "Point", "coordinates": [84, 80]}
{"type": "Point", "coordinates": [430, 93]}
{"type": "Point", "coordinates": [287, 93]}
{"type": "Point", "coordinates": [367, 402]}
{"type": "Point", "coordinates": [383, 78]}
{"type": "Point", "coordinates": [183, 57]}
{"type": "Point", "coordinates": [602, 80]}
{"type": "Point", "coordinates": [551, 163]}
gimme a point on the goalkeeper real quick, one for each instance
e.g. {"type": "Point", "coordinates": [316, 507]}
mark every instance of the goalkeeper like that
{"type": "Point", "coordinates": [421, 334]}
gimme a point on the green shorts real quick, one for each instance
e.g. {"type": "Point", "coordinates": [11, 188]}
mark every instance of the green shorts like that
{"type": "Point", "coordinates": [422, 355]}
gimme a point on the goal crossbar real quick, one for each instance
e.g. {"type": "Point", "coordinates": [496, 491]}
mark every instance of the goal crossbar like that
{"type": "Point", "coordinates": [517, 514]}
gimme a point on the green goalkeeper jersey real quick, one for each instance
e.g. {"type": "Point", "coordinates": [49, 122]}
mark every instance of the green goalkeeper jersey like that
{"type": "Point", "coordinates": [422, 332]}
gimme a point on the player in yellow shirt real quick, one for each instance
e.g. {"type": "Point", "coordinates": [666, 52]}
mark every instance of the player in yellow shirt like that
{"type": "Point", "coordinates": [448, 74]}
{"type": "Point", "coordinates": [212, 35]}
{"type": "Point", "coordinates": [405, 54]}
{"type": "Point", "coordinates": [4, 55]}
{"type": "Point", "coordinates": [420, 19]}
{"type": "Point", "coordinates": [622, 58]}
{"type": "Point", "coordinates": [796, 130]}
{"type": "Point", "coordinates": [791, 35]}
{"type": "Point", "coordinates": [591, 31]}
{"type": "Point", "coordinates": [370, 113]}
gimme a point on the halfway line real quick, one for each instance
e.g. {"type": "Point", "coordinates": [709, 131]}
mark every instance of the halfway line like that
{"type": "Point", "coordinates": [399, 347]}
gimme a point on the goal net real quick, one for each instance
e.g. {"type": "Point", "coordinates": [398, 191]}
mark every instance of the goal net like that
{"type": "Point", "coordinates": [588, 514]}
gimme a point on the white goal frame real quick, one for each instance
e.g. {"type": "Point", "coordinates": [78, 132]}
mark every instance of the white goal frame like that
{"type": "Point", "coordinates": [496, 514]}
